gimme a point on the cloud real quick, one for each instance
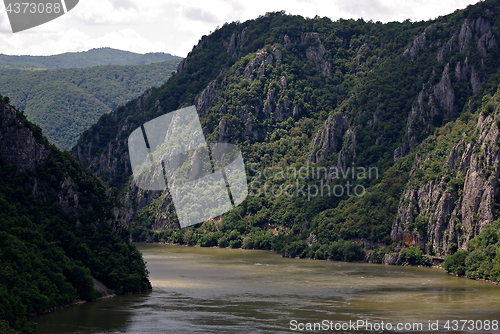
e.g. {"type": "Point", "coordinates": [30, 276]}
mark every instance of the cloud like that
{"type": "Point", "coordinates": [199, 14]}
{"type": "Point", "coordinates": [369, 9]}
{"type": "Point", "coordinates": [4, 22]}
{"type": "Point", "coordinates": [123, 4]}
{"type": "Point", "coordinates": [400, 10]}
{"type": "Point", "coordinates": [175, 26]}
{"type": "Point", "coordinates": [113, 12]}
{"type": "Point", "coordinates": [76, 40]}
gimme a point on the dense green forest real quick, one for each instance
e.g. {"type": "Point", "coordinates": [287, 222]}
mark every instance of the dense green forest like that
{"type": "Point", "coordinates": [413, 100]}
{"type": "Point", "coordinates": [91, 58]}
{"type": "Point", "coordinates": [14, 70]}
{"type": "Point", "coordinates": [65, 102]}
{"type": "Point", "coordinates": [59, 229]}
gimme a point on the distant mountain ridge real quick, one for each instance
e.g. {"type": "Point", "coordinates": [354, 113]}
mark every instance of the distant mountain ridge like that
{"type": "Point", "coordinates": [92, 57]}
{"type": "Point", "coordinates": [65, 102]}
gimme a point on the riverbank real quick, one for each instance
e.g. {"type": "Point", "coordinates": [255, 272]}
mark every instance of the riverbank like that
{"type": "Point", "coordinates": [98, 286]}
{"type": "Point", "coordinates": [389, 259]}
{"type": "Point", "coordinates": [228, 291]}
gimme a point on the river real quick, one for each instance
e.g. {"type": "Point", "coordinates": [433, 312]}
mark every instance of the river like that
{"type": "Point", "coordinates": [210, 290]}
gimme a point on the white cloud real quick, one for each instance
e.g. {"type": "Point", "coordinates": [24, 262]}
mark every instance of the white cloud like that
{"type": "Point", "coordinates": [175, 26]}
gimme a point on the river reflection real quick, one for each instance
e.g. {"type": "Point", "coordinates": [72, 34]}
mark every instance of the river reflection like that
{"type": "Point", "coordinates": [207, 290]}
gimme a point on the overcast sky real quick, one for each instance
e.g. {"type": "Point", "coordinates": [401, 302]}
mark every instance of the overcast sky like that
{"type": "Point", "coordinates": [175, 26]}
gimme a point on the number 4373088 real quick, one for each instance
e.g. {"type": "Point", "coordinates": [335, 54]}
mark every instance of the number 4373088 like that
{"type": "Point", "coordinates": [32, 8]}
{"type": "Point", "coordinates": [477, 325]}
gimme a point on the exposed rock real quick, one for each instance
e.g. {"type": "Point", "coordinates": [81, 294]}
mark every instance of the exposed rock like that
{"type": "Point", "coordinates": [487, 41]}
{"type": "Point", "coordinates": [269, 102]}
{"type": "Point", "coordinates": [362, 49]}
{"type": "Point", "coordinates": [316, 53]}
{"type": "Point", "coordinates": [223, 130]}
{"type": "Point", "coordinates": [283, 83]}
{"type": "Point", "coordinates": [277, 53]}
{"type": "Point", "coordinates": [472, 29]}
{"type": "Point", "coordinates": [287, 41]}
{"type": "Point", "coordinates": [144, 96]}
{"type": "Point", "coordinates": [391, 259]}
{"type": "Point", "coordinates": [20, 149]}
{"type": "Point", "coordinates": [462, 71]}
{"type": "Point", "coordinates": [261, 58]}
{"type": "Point", "coordinates": [183, 64]}
{"type": "Point", "coordinates": [446, 49]}
{"type": "Point", "coordinates": [399, 153]}
{"type": "Point", "coordinates": [454, 155]}
{"type": "Point", "coordinates": [206, 97]}
{"type": "Point", "coordinates": [475, 82]}
{"type": "Point", "coordinates": [465, 35]}
{"type": "Point", "coordinates": [234, 41]}
{"type": "Point", "coordinates": [329, 139]}
{"type": "Point", "coordinates": [444, 94]}
{"type": "Point", "coordinates": [18, 146]}
{"type": "Point", "coordinates": [455, 215]}
{"type": "Point", "coordinates": [418, 44]}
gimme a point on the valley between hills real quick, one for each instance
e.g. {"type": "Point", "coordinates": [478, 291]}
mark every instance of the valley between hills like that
{"type": "Point", "coordinates": [416, 104]}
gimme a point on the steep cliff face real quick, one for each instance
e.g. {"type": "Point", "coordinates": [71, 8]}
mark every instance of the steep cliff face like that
{"type": "Point", "coordinates": [444, 213]}
{"type": "Point", "coordinates": [273, 100]}
{"type": "Point", "coordinates": [18, 146]}
{"type": "Point", "coordinates": [440, 102]}
{"type": "Point", "coordinates": [295, 92]}
{"type": "Point", "coordinates": [441, 215]}
{"type": "Point", "coordinates": [60, 228]}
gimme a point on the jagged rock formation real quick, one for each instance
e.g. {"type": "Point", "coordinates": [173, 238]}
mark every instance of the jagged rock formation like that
{"type": "Point", "coordinates": [330, 138]}
{"type": "Point", "coordinates": [60, 225]}
{"type": "Point", "coordinates": [438, 102]}
{"type": "Point", "coordinates": [330, 95]}
{"type": "Point", "coordinates": [19, 148]}
{"type": "Point", "coordinates": [454, 212]}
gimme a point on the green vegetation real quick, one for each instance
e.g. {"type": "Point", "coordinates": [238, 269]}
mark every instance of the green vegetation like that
{"type": "Point", "coordinates": [58, 230]}
{"type": "Point", "coordinates": [365, 79]}
{"type": "Point", "coordinates": [93, 57]}
{"type": "Point", "coordinates": [14, 70]}
{"type": "Point", "coordinates": [481, 260]}
{"type": "Point", "coordinates": [65, 102]}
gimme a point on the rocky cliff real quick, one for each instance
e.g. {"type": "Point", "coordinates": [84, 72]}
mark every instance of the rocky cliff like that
{"type": "Point", "coordinates": [61, 228]}
{"type": "Point", "coordinates": [402, 98]}
{"type": "Point", "coordinates": [442, 214]}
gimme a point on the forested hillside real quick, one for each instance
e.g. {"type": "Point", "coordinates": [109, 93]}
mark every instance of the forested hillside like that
{"type": "Point", "coordinates": [65, 102]}
{"type": "Point", "coordinates": [60, 228]}
{"type": "Point", "coordinates": [93, 57]}
{"type": "Point", "coordinates": [415, 103]}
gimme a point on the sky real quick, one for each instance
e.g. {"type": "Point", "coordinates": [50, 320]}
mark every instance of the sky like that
{"type": "Point", "coordinates": [175, 26]}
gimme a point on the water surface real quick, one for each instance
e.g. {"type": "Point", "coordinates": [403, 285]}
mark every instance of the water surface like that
{"type": "Point", "coordinates": [209, 290]}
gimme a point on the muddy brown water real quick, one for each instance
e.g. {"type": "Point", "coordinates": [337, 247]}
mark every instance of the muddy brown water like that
{"type": "Point", "coordinates": [210, 290]}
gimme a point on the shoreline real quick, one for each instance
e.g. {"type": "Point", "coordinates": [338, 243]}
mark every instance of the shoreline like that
{"type": "Point", "coordinates": [79, 302]}
{"type": "Point", "coordinates": [271, 250]}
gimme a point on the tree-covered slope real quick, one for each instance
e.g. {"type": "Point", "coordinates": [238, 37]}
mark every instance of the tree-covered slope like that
{"type": "Point", "coordinates": [60, 227]}
{"type": "Point", "coordinates": [335, 100]}
{"type": "Point", "coordinates": [65, 102]}
{"type": "Point", "coordinates": [90, 58]}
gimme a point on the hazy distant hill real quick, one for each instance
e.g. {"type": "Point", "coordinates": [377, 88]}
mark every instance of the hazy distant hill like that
{"type": "Point", "coordinates": [65, 102]}
{"type": "Point", "coordinates": [93, 57]}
